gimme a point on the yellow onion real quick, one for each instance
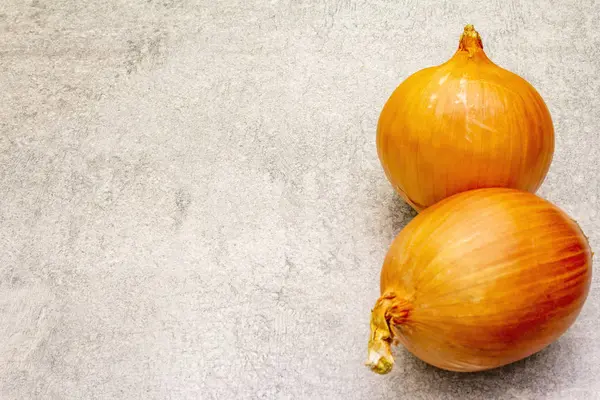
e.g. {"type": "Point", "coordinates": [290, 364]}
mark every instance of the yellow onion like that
{"type": "Point", "coordinates": [465, 124]}
{"type": "Point", "coordinates": [479, 280]}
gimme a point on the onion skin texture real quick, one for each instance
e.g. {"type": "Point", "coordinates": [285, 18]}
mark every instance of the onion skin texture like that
{"type": "Point", "coordinates": [465, 124]}
{"type": "Point", "coordinates": [479, 280]}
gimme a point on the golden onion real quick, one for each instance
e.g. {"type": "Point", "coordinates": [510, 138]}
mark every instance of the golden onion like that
{"type": "Point", "coordinates": [462, 125]}
{"type": "Point", "coordinates": [479, 280]}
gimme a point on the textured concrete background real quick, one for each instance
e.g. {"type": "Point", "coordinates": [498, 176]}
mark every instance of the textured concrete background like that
{"type": "Point", "coordinates": [192, 207]}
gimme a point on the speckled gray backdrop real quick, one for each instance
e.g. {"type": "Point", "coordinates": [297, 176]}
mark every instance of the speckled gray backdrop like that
{"type": "Point", "coordinates": [192, 206]}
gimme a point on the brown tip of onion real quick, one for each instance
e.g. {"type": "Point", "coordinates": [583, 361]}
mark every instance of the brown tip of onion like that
{"type": "Point", "coordinates": [470, 40]}
{"type": "Point", "coordinates": [388, 307]}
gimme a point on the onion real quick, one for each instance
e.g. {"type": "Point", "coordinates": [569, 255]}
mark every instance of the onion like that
{"type": "Point", "coordinates": [479, 280]}
{"type": "Point", "coordinates": [465, 124]}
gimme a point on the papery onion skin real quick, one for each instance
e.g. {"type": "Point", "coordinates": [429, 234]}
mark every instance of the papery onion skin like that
{"type": "Point", "coordinates": [479, 280]}
{"type": "Point", "coordinates": [463, 125]}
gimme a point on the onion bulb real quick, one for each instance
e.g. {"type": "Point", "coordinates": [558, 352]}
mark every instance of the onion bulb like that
{"type": "Point", "coordinates": [465, 124]}
{"type": "Point", "coordinates": [479, 280]}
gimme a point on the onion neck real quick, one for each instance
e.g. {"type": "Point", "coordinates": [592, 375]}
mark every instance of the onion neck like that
{"type": "Point", "coordinates": [470, 42]}
{"type": "Point", "coordinates": [388, 308]}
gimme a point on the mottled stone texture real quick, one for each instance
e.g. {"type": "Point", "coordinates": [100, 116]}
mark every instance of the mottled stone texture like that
{"type": "Point", "coordinates": [192, 206]}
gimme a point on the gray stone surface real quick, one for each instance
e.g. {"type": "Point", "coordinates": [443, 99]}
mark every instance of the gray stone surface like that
{"type": "Point", "coordinates": [192, 206]}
